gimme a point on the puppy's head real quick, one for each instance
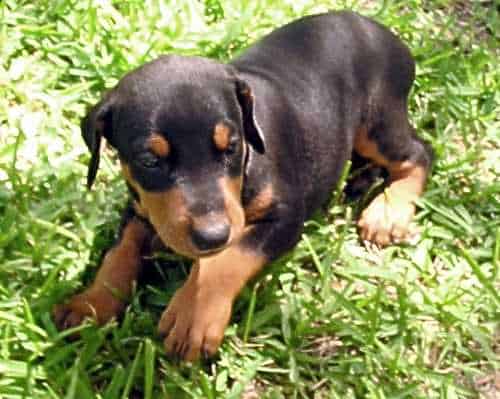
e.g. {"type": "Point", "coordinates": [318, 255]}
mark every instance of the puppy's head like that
{"type": "Point", "coordinates": [182, 127]}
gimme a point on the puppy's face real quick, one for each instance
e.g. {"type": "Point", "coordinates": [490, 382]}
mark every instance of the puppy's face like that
{"type": "Point", "coordinates": [182, 128]}
{"type": "Point", "coordinates": [188, 182]}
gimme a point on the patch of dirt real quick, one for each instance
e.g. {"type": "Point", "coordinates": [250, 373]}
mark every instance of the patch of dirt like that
{"type": "Point", "coordinates": [324, 347]}
{"type": "Point", "coordinates": [254, 390]}
{"type": "Point", "coordinates": [488, 386]}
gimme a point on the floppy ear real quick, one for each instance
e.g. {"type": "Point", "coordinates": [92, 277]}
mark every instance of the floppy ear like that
{"type": "Point", "coordinates": [253, 133]}
{"type": "Point", "coordinates": [95, 125]}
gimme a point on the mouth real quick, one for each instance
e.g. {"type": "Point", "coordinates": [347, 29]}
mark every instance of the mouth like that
{"type": "Point", "coordinates": [210, 252]}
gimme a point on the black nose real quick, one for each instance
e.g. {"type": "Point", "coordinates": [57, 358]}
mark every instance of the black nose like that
{"type": "Point", "coordinates": [210, 237]}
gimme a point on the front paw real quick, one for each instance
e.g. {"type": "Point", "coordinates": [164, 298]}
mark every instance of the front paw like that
{"type": "Point", "coordinates": [194, 322]}
{"type": "Point", "coordinates": [99, 305]}
{"type": "Point", "coordinates": [387, 219]}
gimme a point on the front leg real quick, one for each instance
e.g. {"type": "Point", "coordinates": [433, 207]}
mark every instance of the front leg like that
{"type": "Point", "coordinates": [107, 295]}
{"type": "Point", "coordinates": [195, 320]}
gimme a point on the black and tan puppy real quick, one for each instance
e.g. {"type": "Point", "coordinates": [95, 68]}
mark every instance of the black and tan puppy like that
{"type": "Point", "coordinates": [225, 162]}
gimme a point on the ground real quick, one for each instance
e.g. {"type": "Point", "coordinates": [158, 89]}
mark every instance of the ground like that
{"type": "Point", "coordinates": [333, 319]}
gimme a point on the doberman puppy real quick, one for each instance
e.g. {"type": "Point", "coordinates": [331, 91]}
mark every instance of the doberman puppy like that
{"type": "Point", "coordinates": [225, 162]}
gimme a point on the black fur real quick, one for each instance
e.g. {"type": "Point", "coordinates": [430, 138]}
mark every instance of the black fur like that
{"type": "Point", "coordinates": [295, 101]}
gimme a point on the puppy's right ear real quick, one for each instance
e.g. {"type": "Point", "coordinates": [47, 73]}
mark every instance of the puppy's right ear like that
{"type": "Point", "coordinates": [95, 125]}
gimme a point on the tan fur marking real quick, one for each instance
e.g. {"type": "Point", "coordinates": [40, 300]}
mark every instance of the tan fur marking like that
{"type": "Point", "coordinates": [119, 267]}
{"type": "Point", "coordinates": [159, 145]}
{"type": "Point", "coordinates": [259, 205]}
{"type": "Point", "coordinates": [387, 218]}
{"type": "Point", "coordinates": [113, 284]}
{"type": "Point", "coordinates": [407, 178]}
{"type": "Point", "coordinates": [221, 136]}
{"type": "Point", "coordinates": [231, 190]}
{"type": "Point", "coordinates": [167, 212]}
{"type": "Point", "coordinates": [139, 209]}
{"type": "Point", "coordinates": [128, 176]}
{"type": "Point", "coordinates": [199, 312]}
{"type": "Point", "coordinates": [368, 148]}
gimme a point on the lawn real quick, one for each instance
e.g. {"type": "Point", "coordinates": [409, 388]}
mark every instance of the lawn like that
{"type": "Point", "coordinates": [332, 319]}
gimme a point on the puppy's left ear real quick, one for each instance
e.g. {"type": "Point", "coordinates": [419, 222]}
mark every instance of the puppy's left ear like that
{"type": "Point", "coordinates": [95, 125]}
{"type": "Point", "coordinates": [253, 132]}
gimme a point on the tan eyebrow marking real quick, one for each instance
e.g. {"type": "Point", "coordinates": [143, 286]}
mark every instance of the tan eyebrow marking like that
{"type": "Point", "coordinates": [221, 136]}
{"type": "Point", "coordinates": [159, 145]}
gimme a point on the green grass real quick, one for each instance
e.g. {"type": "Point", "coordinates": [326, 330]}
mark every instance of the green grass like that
{"type": "Point", "coordinates": [333, 319]}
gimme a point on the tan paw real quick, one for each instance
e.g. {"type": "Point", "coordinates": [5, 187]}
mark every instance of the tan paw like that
{"type": "Point", "coordinates": [194, 322]}
{"type": "Point", "coordinates": [98, 305]}
{"type": "Point", "coordinates": [387, 219]}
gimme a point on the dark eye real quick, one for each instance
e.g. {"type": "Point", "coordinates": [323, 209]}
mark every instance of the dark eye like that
{"type": "Point", "coordinates": [148, 160]}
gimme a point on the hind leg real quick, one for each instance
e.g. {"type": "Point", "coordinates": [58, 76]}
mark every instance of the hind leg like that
{"type": "Point", "coordinates": [392, 144]}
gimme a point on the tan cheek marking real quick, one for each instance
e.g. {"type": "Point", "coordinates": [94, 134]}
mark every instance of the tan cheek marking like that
{"type": "Point", "coordinates": [221, 136]}
{"type": "Point", "coordinates": [169, 215]}
{"type": "Point", "coordinates": [167, 212]}
{"type": "Point", "coordinates": [231, 189]}
{"type": "Point", "coordinates": [139, 209]}
{"type": "Point", "coordinates": [128, 176]}
{"type": "Point", "coordinates": [159, 145]}
{"type": "Point", "coordinates": [259, 205]}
